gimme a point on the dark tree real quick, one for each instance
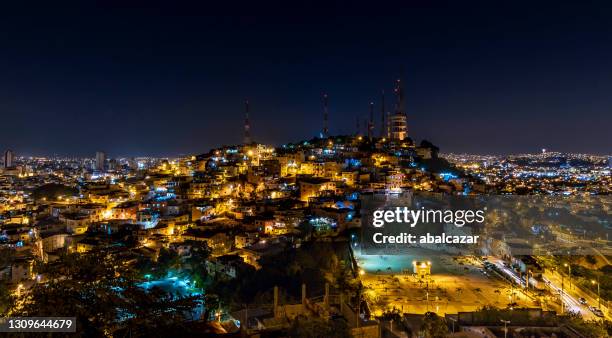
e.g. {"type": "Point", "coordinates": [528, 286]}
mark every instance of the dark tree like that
{"type": "Point", "coordinates": [434, 326]}
{"type": "Point", "coordinates": [315, 327]}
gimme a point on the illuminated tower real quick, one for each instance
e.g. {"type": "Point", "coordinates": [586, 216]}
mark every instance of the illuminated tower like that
{"type": "Point", "coordinates": [371, 122]}
{"type": "Point", "coordinates": [399, 123]}
{"type": "Point", "coordinates": [247, 124]}
{"type": "Point", "coordinates": [382, 115]}
{"type": "Point", "coordinates": [388, 125]}
{"type": "Point", "coordinates": [325, 117]}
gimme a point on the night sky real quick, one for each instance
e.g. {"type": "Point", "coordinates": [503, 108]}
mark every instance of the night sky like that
{"type": "Point", "coordinates": [157, 80]}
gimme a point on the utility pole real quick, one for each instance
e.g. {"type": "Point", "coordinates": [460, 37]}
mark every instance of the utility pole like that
{"type": "Point", "coordinates": [562, 292]}
{"type": "Point", "coordinates": [325, 116]}
{"type": "Point", "coordinates": [247, 123]}
{"type": "Point", "coordinates": [569, 271]}
{"type": "Point", "coordinates": [371, 122]}
{"type": "Point", "coordinates": [598, 295]}
{"type": "Point", "coordinates": [453, 320]}
{"type": "Point", "coordinates": [359, 306]}
{"type": "Point", "coordinates": [382, 115]}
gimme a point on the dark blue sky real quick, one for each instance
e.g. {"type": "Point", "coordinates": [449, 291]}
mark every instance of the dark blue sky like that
{"type": "Point", "coordinates": [158, 80]}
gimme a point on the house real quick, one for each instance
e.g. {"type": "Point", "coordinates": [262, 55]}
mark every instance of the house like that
{"type": "Point", "coordinates": [217, 240]}
{"type": "Point", "coordinates": [314, 187]}
{"type": "Point", "coordinates": [76, 223]}
{"type": "Point", "coordinates": [53, 240]}
{"type": "Point", "coordinates": [229, 266]}
{"type": "Point", "coordinates": [22, 268]}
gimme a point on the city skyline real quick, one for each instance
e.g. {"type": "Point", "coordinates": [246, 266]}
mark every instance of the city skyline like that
{"type": "Point", "coordinates": [335, 169]}
{"type": "Point", "coordinates": [168, 82]}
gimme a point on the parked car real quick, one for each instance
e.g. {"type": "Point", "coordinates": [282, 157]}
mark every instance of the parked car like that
{"type": "Point", "coordinates": [596, 311]}
{"type": "Point", "coordinates": [582, 301]}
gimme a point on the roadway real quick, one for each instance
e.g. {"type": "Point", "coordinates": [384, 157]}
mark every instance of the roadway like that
{"type": "Point", "coordinates": [554, 283]}
{"type": "Point", "coordinates": [571, 295]}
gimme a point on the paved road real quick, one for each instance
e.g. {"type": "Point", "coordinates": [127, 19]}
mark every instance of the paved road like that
{"type": "Point", "coordinates": [554, 283]}
{"type": "Point", "coordinates": [571, 294]}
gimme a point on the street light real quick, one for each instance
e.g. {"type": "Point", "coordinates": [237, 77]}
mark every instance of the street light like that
{"type": "Point", "coordinates": [598, 296]}
{"type": "Point", "coordinates": [453, 320]}
{"type": "Point", "coordinates": [561, 295]}
{"type": "Point", "coordinates": [527, 279]}
{"type": "Point", "coordinates": [506, 322]}
{"type": "Point", "coordinates": [569, 268]}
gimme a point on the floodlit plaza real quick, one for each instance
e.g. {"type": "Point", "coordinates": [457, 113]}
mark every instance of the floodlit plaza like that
{"type": "Point", "coordinates": [455, 285]}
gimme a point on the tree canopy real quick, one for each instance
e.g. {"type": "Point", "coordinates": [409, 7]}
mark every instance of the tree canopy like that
{"type": "Point", "coordinates": [52, 191]}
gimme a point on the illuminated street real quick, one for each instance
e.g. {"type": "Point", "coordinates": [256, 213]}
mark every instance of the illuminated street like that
{"type": "Point", "coordinates": [571, 295]}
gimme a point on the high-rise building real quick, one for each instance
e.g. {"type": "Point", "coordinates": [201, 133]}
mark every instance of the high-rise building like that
{"type": "Point", "coordinates": [113, 164]}
{"type": "Point", "coordinates": [100, 160]}
{"type": "Point", "coordinates": [9, 158]}
{"type": "Point", "coordinates": [399, 121]}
